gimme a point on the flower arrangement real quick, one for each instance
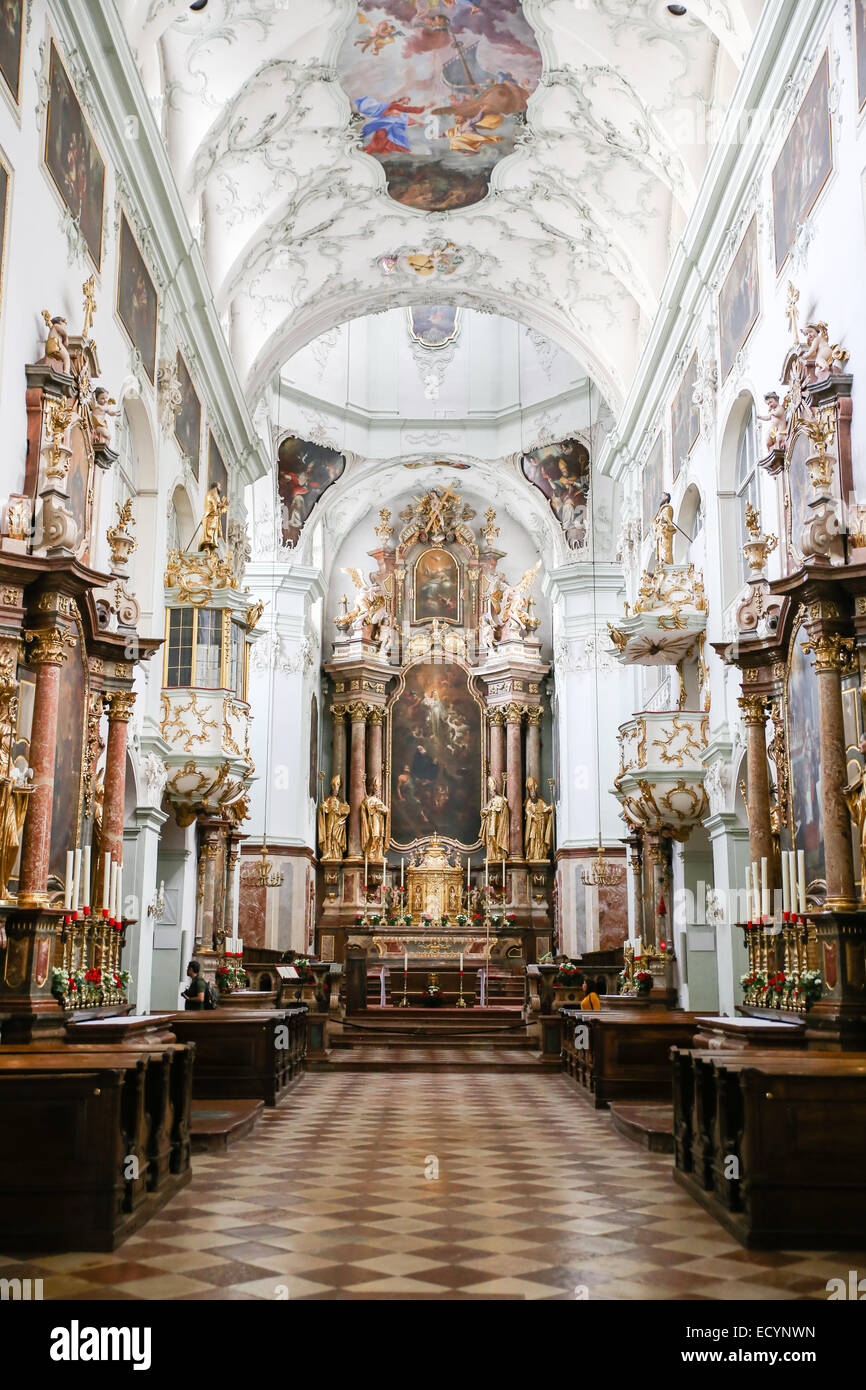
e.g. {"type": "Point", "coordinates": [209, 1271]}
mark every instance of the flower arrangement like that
{"type": "Point", "coordinates": [568, 974]}
{"type": "Point", "coordinates": [752, 984]}
{"type": "Point", "coordinates": [433, 996]}
{"type": "Point", "coordinates": [427, 918]}
{"type": "Point", "coordinates": [773, 991]}
{"type": "Point", "coordinates": [807, 990]}
{"type": "Point", "coordinates": [305, 974]}
{"type": "Point", "coordinates": [461, 919]}
{"type": "Point", "coordinates": [229, 977]}
{"type": "Point", "coordinates": [643, 981]}
{"type": "Point", "coordinates": [89, 988]}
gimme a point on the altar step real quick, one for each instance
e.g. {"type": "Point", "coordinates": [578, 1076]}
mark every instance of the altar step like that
{"type": "Point", "coordinates": [434, 1058]}
{"type": "Point", "coordinates": [214, 1125]}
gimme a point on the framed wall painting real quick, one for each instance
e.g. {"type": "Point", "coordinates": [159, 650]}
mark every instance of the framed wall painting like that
{"type": "Point", "coordinates": [137, 300]}
{"type": "Point", "coordinates": [804, 165]}
{"type": "Point", "coordinates": [436, 587]}
{"type": "Point", "coordinates": [434, 325]}
{"type": "Point", "coordinates": [187, 423]}
{"type": "Point", "coordinates": [685, 418]}
{"type": "Point", "coordinates": [11, 34]}
{"type": "Point", "coordinates": [5, 187]}
{"type": "Point", "coordinates": [740, 300]}
{"type": "Point", "coordinates": [73, 160]}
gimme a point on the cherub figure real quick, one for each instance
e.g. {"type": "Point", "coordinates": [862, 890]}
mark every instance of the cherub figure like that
{"type": "Point", "coordinates": [777, 434]}
{"type": "Point", "coordinates": [57, 343]}
{"type": "Point", "coordinates": [818, 356]}
{"type": "Point", "coordinates": [370, 607]}
{"type": "Point", "coordinates": [102, 407]}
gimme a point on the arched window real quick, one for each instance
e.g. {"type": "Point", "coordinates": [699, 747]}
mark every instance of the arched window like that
{"type": "Point", "coordinates": [747, 483]}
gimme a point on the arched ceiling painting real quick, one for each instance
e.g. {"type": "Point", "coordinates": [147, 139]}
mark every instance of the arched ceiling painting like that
{"type": "Point", "coordinates": [441, 88]}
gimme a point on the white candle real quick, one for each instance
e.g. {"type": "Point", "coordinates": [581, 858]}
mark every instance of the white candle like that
{"type": "Point", "coordinates": [637, 949]}
{"type": "Point", "coordinates": [76, 879]}
{"type": "Point", "coordinates": [67, 893]}
{"type": "Point", "coordinates": [801, 880]}
{"type": "Point", "coordinates": [461, 962]}
{"type": "Point", "coordinates": [405, 961]}
{"type": "Point", "coordinates": [486, 871]}
{"type": "Point", "coordinates": [749, 917]}
{"type": "Point", "coordinates": [786, 886]}
{"type": "Point", "coordinates": [112, 899]}
{"type": "Point", "coordinates": [239, 945]}
{"type": "Point", "coordinates": [85, 874]}
{"type": "Point", "coordinates": [756, 891]}
{"type": "Point", "coordinates": [106, 882]}
{"type": "Point", "coordinates": [765, 889]}
{"type": "Point", "coordinates": [468, 872]}
{"type": "Point", "coordinates": [366, 877]}
{"type": "Point", "coordinates": [402, 867]}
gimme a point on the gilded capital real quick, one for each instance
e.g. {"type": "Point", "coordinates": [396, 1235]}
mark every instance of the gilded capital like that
{"type": "Point", "coordinates": [377, 715]}
{"type": "Point", "coordinates": [50, 645]}
{"type": "Point", "coordinates": [754, 709]}
{"type": "Point", "coordinates": [513, 713]}
{"type": "Point", "coordinates": [497, 717]}
{"type": "Point", "coordinates": [831, 653]}
{"type": "Point", "coordinates": [120, 703]}
{"type": "Point", "coordinates": [534, 714]}
{"type": "Point", "coordinates": [358, 711]}
{"type": "Point", "coordinates": [338, 712]}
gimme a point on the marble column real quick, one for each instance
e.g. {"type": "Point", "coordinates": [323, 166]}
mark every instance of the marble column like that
{"type": "Point", "coordinates": [120, 703]}
{"type": "Point", "coordinates": [206, 895]}
{"type": "Point", "coordinates": [48, 653]}
{"type": "Point", "coordinates": [230, 911]}
{"type": "Point", "coordinates": [374, 751]}
{"type": "Point", "coordinates": [338, 747]}
{"type": "Point", "coordinates": [635, 848]}
{"type": "Point", "coordinates": [533, 743]}
{"type": "Point", "coordinates": [832, 656]}
{"type": "Point", "coordinates": [357, 775]}
{"type": "Point", "coordinates": [514, 765]}
{"type": "Point", "coordinates": [758, 782]}
{"type": "Point", "coordinates": [497, 746]}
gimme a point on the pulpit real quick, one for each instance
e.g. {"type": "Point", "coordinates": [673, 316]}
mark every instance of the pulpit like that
{"type": "Point", "coordinates": [435, 884]}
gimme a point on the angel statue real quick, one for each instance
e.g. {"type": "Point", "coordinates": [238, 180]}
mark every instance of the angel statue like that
{"type": "Point", "coordinates": [516, 607]}
{"type": "Point", "coordinates": [370, 608]}
{"type": "Point", "coordinates": [374, 823]}
{"type": "Point", "coordinates": [819, 356]}
{"type": "Point", "coordinates": [495, 823]}
{"type": "Point", "coordinates": [57, 343]}
{"type": "Point", "coordinates": [102, 408]}
{"type": "Point", "coordinates": [332, 815]}
{"type": "Point", "coordinates": [664, 531]}
{"type": "Point", "coordinates": [215, 508]}
{"type": "Point", "coordinates": [777, 419]}
{"type": "Point", "coordinates": [538, 823]}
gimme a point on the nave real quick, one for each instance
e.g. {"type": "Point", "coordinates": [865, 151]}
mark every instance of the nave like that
{"type": "Point", "coordinates": [435, 1187]}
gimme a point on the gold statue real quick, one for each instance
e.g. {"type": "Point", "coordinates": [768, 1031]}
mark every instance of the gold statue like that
{"type": "Point", "coordinates": [538, 823]}
{"type": "Point", "coordinates": [855, 796]}
{"type": "Point", "coordinates": [215, 508]}
{"type": "Point", "coordinates": [374, 823]}
{"type": "Point", "coordinates": [332, 816]}
{"type": "Point", "coordinates": [15, 792]}
{"type": "Point", "coordinates": [88, 289]}
{"type": "Point", "coordinates": [664, 531]}
{"type": "Point", "coordinates": [495, 823]}
{"type": "Point", "coordinates": [57, 343]}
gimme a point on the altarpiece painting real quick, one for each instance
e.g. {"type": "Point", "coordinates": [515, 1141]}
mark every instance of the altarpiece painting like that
{"type": "Point", "coordinates": [436, 587]}
{"type": "Point", "coordinates": [804, 755]}
{"type": "Point", "coordinates": [435, 755]}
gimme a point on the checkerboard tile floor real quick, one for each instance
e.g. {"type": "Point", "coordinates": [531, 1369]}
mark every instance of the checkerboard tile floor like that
{"type": "Point", "coordinates": [436, 1186]}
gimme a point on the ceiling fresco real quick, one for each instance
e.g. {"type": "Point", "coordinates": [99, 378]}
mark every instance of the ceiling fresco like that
{"type": "Point", "coordinates": [441, 88]}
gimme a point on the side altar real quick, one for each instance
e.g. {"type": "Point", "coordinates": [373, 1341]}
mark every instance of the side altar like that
{"type": "Point", "coordinates": [432, 824]}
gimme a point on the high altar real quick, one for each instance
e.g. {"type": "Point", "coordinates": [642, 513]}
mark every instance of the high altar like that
{"type": "Point", "coordinates": [436, 794]}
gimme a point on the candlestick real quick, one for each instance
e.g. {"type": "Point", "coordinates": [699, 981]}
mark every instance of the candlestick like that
{"type": "Point", "coordinates": [76, 879]}
{"type": "Point", "coordinates": [366, 878]}
{"type": "Point", "coordinates": [67, 887]}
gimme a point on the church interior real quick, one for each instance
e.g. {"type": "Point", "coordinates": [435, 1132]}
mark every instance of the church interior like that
{"type": "Point", "coordinates": [432, 650]}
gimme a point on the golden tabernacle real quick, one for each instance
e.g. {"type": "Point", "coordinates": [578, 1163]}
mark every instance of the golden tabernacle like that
{"type": "Point", "coordinates": [435, 882]}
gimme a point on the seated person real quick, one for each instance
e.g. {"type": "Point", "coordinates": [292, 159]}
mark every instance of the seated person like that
{"type": "Point", "coordinates": [589, 998]}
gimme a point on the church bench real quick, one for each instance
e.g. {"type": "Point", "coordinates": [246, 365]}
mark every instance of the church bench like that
{"type": "Point", "coordinates": [774, 1145]}
{"type": "Point", "coordinates": [92, 1143]}
{"type": "Point", "coordinates": [244, 1056]}
{"type": "Point", "coordinates": [627, 1055]}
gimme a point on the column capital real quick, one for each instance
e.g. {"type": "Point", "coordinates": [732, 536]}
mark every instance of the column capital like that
{"type": "Point", "coordinates": [514, 713]}
{"type": "Point", "coordinates": [377, 715]}
{"type": "Point", "coordinates": [338, 712]}
{"type": "Point", "coordinates": [831, 652]}
{"type": "Point", "coordinates": [50, 645]}
{"type": "Point", "coordinates": [120, 703]}
{"type": "Point", "coordinates": [497, 717]}
{"type": "Point", "coordinates": [358, 711]}
{"type": "Point", "coordinates": [754, 709]}
{"type": "Point", "coordinates": [534, 714]}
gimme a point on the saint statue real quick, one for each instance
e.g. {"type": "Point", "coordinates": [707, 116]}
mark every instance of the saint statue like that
{"type": "Point", "coordinates": [215, 508]}
{"type": "Point", "coordinates": [495, 823]}
{"type": "Point", "coordinates": [374, 823]}
{"type": "Point", "coordinates": [664, 531]}
{"type": "Point", "coordinates": [14, 795]}
{"type": "Point", "coordinates": [332, 816]}
{"type": "Point", "coordinates": [855, 796]}
{"type": "Point", "coordinates": [538, 823]}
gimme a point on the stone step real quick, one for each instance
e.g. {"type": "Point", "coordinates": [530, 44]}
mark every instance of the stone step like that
{"type": "Point", "coordinates": [214, 1125]}
{"type": "Point", "coordinates": [651, 1126]}
{"type": "Point", "coordinates": [433, 1059]}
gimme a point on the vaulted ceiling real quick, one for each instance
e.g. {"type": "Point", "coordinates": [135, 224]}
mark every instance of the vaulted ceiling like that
{"type": "Point", "coordinates": [296, 224]}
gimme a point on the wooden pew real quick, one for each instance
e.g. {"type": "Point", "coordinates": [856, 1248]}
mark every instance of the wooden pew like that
{"type": "Point", "coordinates": [774, 1144]}
{"type": "Point", "coordinates": [72, 1118]}
{"type": "Point", "coordinates": [238, 1056]}
{"type": "Point", "coordinates": [627, 1054]}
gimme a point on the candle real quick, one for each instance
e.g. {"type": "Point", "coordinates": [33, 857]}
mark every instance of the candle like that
{"type": "Point", "coordinates": [748, 894]}
{"type": "Point", "coordinates": [112, 897]}
{"type": "Point", "coordinates": [76, 879]}
{"type": "Point", "coordinates": [801, 880]}
{"type": "Point", "coordinates": [486, 870]}
{"type": "Point", "coordinates": [765, 889]}
{"type": "Point", "coordinates": [106, 882]}
{"type": "Point", "coordinates": [366, 878]}
{"type": "Point", "coordinates": [85, 873]}
{"type": "Point", "coordinates": [405, 961]}
{"type": "Point", "coordinates": [402, 867]}
{"type": "Point", "coordinates": [461, 962]}
{"type": "Point", "coordinates": [503, 878]}
{"type": "Point", "coordinates": [239, 945]}
{"type": "Point", "coordinates": [637, 949]}
{"type": "Point", "coordinates": [468, 872]}
{"type": "Point", "coordinates": [786, 896]}
{"type": "Point", "coordinates": [67, 888]}
{"type": "Point", "coordinates": [756, 892]}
